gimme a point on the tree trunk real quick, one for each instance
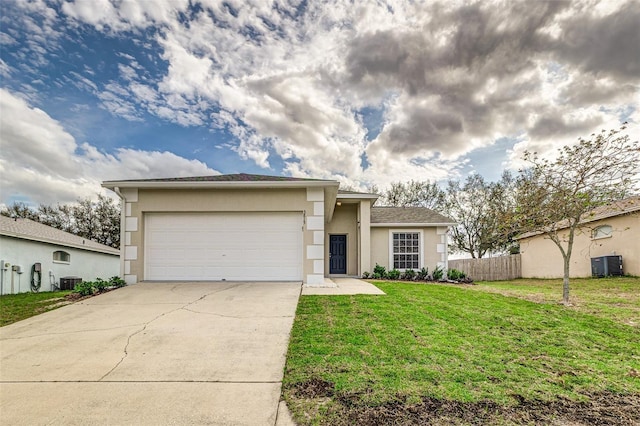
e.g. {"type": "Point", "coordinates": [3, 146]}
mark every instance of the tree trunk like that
{"type": "Point", "coordinates": [565, 281]}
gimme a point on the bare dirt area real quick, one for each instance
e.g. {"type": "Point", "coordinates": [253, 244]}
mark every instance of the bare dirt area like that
{"type": "Point", "coordinates": [598, 409]}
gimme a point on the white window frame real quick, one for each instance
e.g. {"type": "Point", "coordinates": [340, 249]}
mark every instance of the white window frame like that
{"type": "Point", "coordinates": [420, 247]}
{"type": "Point", "coordinates": [594, 233]}
{"type": "Point", "coordinates": [68, 255]}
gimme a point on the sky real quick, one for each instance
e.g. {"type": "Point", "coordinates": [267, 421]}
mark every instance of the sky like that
{"type": "Point", "coordinates": [363, 92]}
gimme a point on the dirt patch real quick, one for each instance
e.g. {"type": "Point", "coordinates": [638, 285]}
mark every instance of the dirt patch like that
{"type": "Point", "coordinates": [599, 409]}
{"type": "Point", "coordinates": [314, 388]}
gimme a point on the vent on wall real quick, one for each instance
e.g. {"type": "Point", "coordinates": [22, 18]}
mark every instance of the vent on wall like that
{"type": "Point", "coordinates": [606, 266]}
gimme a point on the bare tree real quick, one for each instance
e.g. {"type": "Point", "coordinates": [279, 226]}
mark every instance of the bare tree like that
{"type": "Point", "coordinates": [414, 194]}
{"type": "Point", "coordinates": [480, 208]}
{"type": "Point", "coordinates": [555, 197]}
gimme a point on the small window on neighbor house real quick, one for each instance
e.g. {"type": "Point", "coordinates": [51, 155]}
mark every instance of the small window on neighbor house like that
{"type": "Point", "coordinates": [61, 256]}
{"type": "Point", "coordinates": [603, 231]}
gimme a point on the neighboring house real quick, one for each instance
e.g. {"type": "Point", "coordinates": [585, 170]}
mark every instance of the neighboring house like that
{"type": "Point", "coordinates": [265, 228]}
{"type": "Point", "coordinates": [609, 230]}
{"type": "Point", "coordinates": [24, 243]}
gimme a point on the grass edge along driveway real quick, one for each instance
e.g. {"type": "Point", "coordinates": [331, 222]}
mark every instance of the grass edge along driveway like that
{"type": "Point", "coordinates": [350, 355]}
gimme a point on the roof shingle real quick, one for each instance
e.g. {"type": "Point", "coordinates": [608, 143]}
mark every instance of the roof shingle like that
{"type": "Point", "coordinates": [239, 177]}
{"type": "Point", "coordinates": [31, 230]}
{"type": "Point", "coordinates": [407, 215]}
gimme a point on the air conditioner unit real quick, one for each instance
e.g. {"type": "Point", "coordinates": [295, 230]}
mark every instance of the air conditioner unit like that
{"type": "Point", "coordinates": [68, 283]}
{"type": "Point", "coordinates": [606, 266]}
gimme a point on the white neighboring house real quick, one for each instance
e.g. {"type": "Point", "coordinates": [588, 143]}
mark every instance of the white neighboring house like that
{"type": "Point", "coordinates": [24, 243]}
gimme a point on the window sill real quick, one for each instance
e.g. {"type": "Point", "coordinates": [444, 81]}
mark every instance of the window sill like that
{"type": "Point", "coordinates": [62, 262]}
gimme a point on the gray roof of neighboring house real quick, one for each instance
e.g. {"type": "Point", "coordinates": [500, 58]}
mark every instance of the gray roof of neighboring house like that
{"type": "Point", "coordinates": [408, 215]}
{"type": "Point", "coordinates": [618, 208]}
{"type": "Point", "coordinates": [30, 230]}
{"type": "Point", "coordinates": [239, 177]}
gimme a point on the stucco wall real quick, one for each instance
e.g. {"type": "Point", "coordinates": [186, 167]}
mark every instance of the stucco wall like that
{"type": "Point", "coordinates": [433, 246]}
{"type": "Point", "coordinates": [85, 264]}
{"type": "Point", "coordinates": [541, 258]}
{"type": "Point", "coordinates": [310, 201]}
{"type": "Point", "coordinates": [344, 221]}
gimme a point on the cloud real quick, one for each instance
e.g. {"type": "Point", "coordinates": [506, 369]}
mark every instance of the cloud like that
{"type": "Point", "coordinates": [291, 81]}
{"type": "Point", "coordinates": [40, 161]}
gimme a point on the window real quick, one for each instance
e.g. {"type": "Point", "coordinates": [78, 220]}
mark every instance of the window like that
{"type": "Point", "coordinates": [61, 256]}
{"type": "Point", "coordinates": [406, 250]}
{"type": "Point", "coordinates": [603, 231]}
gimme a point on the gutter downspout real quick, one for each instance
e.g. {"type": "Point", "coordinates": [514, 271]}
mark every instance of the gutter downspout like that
{"type": "Point", "coordinates": [123, 205]}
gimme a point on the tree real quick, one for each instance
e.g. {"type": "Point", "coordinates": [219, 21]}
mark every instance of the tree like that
{"type": "Point", "coordinates": [555, 197]}
{"type": "Point", "coordinates": [98, 221]}
{"type": "Point", "coordinates": [479, 209]}
{"type": "Point", "coordinates": [414, 194]}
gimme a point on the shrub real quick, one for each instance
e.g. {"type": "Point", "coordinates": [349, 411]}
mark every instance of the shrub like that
{"type": "Point", "coordinates": [380, 270]}
{"type": "Point", "coordinates": [437, 273]}
{"type": "Point", "coordinates": [100, 285]}
{"type": "Point", "coordinates": [422, 274]}
{"type": "Point", "coordinates": [409, 275]}
{"type": "Point", "coordinates": [376, 276]}
{"type": "Point", "coordinates": [394, 274]}
{"type": "Point", "coordinates": [117, 282]}
{"type": "Point", "coordinates": [84, 288]}
{"type": "Point", "coordinates": [455, 275]}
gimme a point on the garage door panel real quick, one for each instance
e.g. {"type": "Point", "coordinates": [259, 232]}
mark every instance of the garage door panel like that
{"type": "Point", "coordinates": [217, 246]}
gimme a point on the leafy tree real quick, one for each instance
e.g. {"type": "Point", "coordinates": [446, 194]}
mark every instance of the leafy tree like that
{"type": "Point", "coordinates": [555, 196]}
{"type": "Point", "coordinates": [479, 208]}
{"type": "Point", "coordinates": [414, 194]}
{"type": "Point", "coordinates": [94, 220]}
{"type": "Point", "coordinates": [19, 210]}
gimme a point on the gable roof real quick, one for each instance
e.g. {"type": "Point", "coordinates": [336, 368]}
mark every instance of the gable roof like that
{"type": "Point", "coordinates": [27, 229]}
{"type": "Point", "coordinates": [238, 177]}
{"type": "Point", "coordinates": [414, 216]}
{"type": "Point", "coordinates": [618, 208]}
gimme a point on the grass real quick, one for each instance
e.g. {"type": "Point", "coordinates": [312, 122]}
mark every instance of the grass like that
{"type": "Point", "coordinates": [455, 344]}
{"type": "Point", "coordinates": [616, 298]}
{"type": "Point", "coordinates": [16, 307]}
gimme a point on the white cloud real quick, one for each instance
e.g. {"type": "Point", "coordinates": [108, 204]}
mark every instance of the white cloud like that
{"type": "Point", "coordinates": [42, 162]}
{"type": "Point", "coordinates": [291, 79]}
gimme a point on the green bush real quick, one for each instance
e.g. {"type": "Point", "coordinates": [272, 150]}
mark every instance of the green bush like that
{"type": "Point", "coordinates": [422, 274]}
{"type": "Point", "coordinates": [117, 282]}
{"type": "Point", "coordinates": [380, 270]}
{"type": "Point", "coordinates": [394, 274]}
{"type": "Point", "coordinates": [366, 275]}
{"type": "Point", "coordinates": [437, 273]}
{"type": "Point", "coordinates": [100, 285]}
{"type": "Point", "coordinates": [84, 288]}
{"type": "Point", "coordinates": [455, 275]}
{"type": "Point", "coordinates": [409, 275]}
{"type": "Point", "coordinates": [376, 276]}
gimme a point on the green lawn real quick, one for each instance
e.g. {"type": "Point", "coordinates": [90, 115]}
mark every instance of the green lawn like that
{"type": "Point", "coordinates": [16, 307]}
{"type": "Point", "coordinates": [615, 298]}
{"type": "Point", "coordinates": [459, 350]}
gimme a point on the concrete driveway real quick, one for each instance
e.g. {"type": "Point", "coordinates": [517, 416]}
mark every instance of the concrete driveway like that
{"type": "Point", "coordinates": [152, 353]}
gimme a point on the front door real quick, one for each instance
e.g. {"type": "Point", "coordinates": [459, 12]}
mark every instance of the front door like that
{"type": "Point", "coordinates": [338, 254]}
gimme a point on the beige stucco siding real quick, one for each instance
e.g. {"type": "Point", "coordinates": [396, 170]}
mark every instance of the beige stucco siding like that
{"type": "Point", "coordinates": [541, 258]}
{"type": "Point", "coordinates": [344, 221]}
{"type": "Point", "coordinates": [431, 238]}
{"type": "Point", "coordinates": [145, 201]}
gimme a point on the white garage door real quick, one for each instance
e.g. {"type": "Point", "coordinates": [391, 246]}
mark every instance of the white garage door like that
{"type": "Point", "coordinates": [223, 246]}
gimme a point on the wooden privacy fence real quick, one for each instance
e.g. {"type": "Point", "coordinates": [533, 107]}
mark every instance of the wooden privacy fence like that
{"type": "Point", "coordinates": [490, 268]}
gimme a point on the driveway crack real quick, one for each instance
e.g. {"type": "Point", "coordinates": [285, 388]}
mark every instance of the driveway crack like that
{"type": "Point", "coordinates": [126, 346]}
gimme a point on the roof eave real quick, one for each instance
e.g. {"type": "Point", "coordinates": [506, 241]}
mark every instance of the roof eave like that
{"type": "Point", "coordinates": [220, 184]}
{"type": "Point", "coordinates": [114, 251]}
{"type": "Point", "coordinates": [423, 224]}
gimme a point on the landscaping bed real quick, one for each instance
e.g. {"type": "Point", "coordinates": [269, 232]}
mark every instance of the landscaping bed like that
{"type": "Point", "coordinates": [438, 354]}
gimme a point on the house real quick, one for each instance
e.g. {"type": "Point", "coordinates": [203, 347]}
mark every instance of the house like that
{"type": "Point", "coordinates": [267, 228]}
{"type": "Point", "coordinates": [25, 243]}
{"type": "Point", "coordinates": [608, 230]}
